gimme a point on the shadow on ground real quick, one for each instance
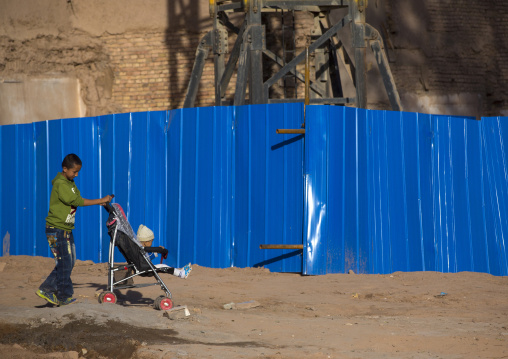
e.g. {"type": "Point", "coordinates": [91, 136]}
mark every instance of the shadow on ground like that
{"type": "Point", "coordinates": [113, 340]}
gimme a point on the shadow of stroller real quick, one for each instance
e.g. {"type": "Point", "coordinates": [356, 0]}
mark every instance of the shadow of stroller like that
{"type": "Point", "coordinates": [133, 298]}
{"type": "Point", "coordinates": [130, 298]}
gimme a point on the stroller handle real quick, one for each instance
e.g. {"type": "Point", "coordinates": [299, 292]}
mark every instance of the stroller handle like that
{"type": "Point", "coordinates": [108, 207]}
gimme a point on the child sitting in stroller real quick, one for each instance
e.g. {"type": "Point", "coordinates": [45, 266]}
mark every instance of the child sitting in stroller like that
{"type": "Point", "coordinates": [145, 237]}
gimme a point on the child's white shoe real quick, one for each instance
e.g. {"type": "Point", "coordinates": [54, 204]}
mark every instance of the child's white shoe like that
{"type": "Point", "coordinates": [185, 271]}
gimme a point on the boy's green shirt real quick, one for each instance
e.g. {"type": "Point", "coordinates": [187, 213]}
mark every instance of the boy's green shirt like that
{"type": "Point", "coordinates": [63, 203]}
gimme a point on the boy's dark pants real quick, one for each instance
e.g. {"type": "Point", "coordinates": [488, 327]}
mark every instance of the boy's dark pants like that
{"type": "Point", "coordinates": [62, 246]}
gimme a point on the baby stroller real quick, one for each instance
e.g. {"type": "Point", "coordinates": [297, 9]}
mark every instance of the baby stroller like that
{"type": "Point", "coordinates": [122, 236]}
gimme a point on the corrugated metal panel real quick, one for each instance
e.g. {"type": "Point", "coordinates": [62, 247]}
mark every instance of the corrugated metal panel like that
{"type": "Point", "coordinates": [268, 186]}
{"type": "Point", "coordinates": [389, 191]}
{"type": "Point", "coordinates": [15, 205]}
{"type": "Point", "coordinates": [495, 132]}
{"type": "Point", "coordinates": [199, 185]}
{"type": "Point", "coordinates": [40, 194]}
{"type": "Point", "coordinates": [132, 166]}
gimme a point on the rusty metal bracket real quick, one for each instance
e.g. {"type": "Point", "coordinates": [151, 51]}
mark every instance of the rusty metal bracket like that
{"type": "Point", "coordinates": [290, 130]}
{"type": "Point", "coordinates": [281, 246]}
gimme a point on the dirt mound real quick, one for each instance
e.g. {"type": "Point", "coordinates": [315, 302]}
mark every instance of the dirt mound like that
{"type": "Point", "coordinates": [401, 315]}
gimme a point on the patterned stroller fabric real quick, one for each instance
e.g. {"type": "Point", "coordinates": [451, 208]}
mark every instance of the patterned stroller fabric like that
{"type": "Point", "coordinates": [126, 240]}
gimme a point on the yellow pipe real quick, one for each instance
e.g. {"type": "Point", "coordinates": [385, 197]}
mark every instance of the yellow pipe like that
{"type": "Point", "coordinates": [362, 4]}
{"type": "Point", "coordinates": [307, 76]}
{"type": "Point", "coordinates": [307, 85]}
{"type": "Point", "coordinates": [212, 8]}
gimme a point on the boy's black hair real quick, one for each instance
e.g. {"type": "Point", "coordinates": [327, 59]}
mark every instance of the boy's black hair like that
{"type": "Point", "coordinates": [71, 160]}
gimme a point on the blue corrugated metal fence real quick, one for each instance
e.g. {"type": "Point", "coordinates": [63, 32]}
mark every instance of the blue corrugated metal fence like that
{"type": "Point", "coordinates": [390, 191]}
{"type": "Point", "coordinates": [371, 191]}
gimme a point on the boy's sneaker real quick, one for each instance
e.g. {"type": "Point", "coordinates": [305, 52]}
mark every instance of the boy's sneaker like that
{"type": "Point", "coordinates": [185, 271]}
{"type": "Point", "coordinates": [67, 301]}
{"type": "Point", "coordinates": [49, 297]}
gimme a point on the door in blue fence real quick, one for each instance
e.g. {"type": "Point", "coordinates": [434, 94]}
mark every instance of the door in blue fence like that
{"type": "Point", "coordinates": [267, 187]}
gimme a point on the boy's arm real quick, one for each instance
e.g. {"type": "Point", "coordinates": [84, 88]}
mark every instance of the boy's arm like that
{"type": "Point", "coordinates": [103, 200]}
{"type": "Point", "coordinates": [67, 195]}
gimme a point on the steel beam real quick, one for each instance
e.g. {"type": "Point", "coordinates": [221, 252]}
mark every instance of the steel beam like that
{"type": "Point", "coordinates": [241, 77]}
{"type": "Point", "coordinates": [384, 68]}
{"type": "Point", "coordinates": [316, 101]}
{"type": "Point", "coordinates": [233, 59]}
{"type": "Point", "coordinates": [197, 69]}
{"type": "Point", "coordinates": [314, 86]}
{"type": "Point", "coordinates": [300, 57]}
{"type": "Point", "coordinates": [357, 13]}
{"type": "Point", "coordinates": [335, 79]}
{"type": "Point", "coordinates": [321, 57]}
{"type": "Point", "coordinates": [255, 52]}
{"type": "Point", "coordinates": [327, 48]}
{"type": "Point", "coordinates": [220, 43]}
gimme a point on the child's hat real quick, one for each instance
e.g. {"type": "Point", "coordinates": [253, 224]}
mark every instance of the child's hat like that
{"type": "Point", "coordinates": [144, 233]}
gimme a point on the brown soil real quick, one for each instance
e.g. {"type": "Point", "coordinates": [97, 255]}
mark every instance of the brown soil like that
{"type": "Point", "coordinates": [402, 315]}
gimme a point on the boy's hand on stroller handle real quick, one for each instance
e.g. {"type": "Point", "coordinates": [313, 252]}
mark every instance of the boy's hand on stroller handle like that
{"type": "Point", "coordinates": [107, 199]}
{"type": "Point", "coordinates": [107, 204]}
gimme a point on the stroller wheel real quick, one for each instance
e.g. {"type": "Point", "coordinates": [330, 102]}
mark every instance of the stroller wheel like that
{"type": "Point", "coordinates": [163, 303]}
{"type": "Point", "coordinates": [107, 297]}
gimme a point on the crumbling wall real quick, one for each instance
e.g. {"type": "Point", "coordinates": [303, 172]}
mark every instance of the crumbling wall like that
{"type": "Point", "coordinates": [137, 55]}
{"type": "Point", "coordinates": [448, 52]}
{"type": "Point", "coordinates": [74, 55]}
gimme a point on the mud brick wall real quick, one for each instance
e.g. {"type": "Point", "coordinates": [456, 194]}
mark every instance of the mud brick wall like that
{"type": "Point", "coordinates": [151, 70]}
{"type": "Point", "coordinates": [471, 49]}
{"type": "Point", "coordinates": [448, 47]}
{"type": "Point", "coordinates": [436, 48]}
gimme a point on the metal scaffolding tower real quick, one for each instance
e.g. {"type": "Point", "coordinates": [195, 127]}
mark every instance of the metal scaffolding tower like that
{"type": "Point", "coordinates": [250, 50]}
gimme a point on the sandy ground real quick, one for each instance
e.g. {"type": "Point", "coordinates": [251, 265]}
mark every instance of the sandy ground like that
{"type": "Point", "coordinates": [401, 315]}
